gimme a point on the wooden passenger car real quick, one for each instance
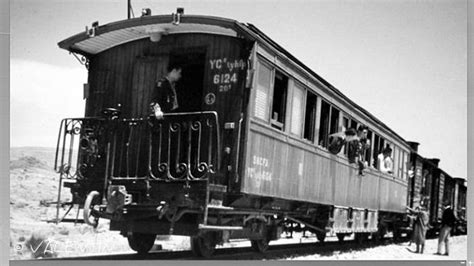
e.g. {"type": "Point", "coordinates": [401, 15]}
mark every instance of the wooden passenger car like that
{"type": "Point", "coordinates": [245, 153]}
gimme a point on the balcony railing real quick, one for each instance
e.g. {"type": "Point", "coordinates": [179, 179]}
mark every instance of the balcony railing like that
{"type": "Point", "coordinates": [181, 146]}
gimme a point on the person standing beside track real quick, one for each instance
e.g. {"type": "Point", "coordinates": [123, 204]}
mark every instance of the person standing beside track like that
{"type": "Point", "coordinates": [447, 223]}
{"type": "Point", "coordinates": [421, 225]}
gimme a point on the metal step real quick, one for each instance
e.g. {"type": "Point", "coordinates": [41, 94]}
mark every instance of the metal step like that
{"type": "Point", "coordinates": [218, 227]}
{"type": "Point", "coordinates": [66, 220]}
{"type": "Point", "coordinates": [220, 207]}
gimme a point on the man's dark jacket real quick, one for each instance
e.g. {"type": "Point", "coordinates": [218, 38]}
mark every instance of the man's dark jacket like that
{"type": "Point", "coordinates": [448, 218]}
{"type": "Point", "coordinates": [163, 95]}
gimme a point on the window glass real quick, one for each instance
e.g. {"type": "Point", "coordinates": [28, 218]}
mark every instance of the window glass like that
{"type": "Point", "coordinates": [395, 160]}
{"type": "Point", "coordinates": [334, 127]}
{"type": "Point", "coordinates": [405, 165]}
{"type": "Point", "coordinates": [345, 123]}
{"type": "Point", "coordinates": [329, 123]}
{"type": "Point", "coordinates": [280, 89]}
{"type": "Point", "coordinates": [297, 110]}
{"type": "Point", "coordinates": [310, 116]}
{"type": "Point", "coordinates": [263, 88]}
{"type": "Point", "coordinates": [368, 152]}
{"type": "Point", "coordinates": [345, 126]}
{"type": "Point", "coordinates": [354, 124]}
{"type": "Point", "coordinates": [377, 150]}
{"type": "Point", "coordinates": [402, 162]}
{"type": "Point", "coordinates": [324, 124]}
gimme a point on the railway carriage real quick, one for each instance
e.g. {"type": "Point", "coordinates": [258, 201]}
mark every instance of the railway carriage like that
{"type": "Point", "coordinates": [245, 154]}
{"type": "Point", "coordinates": [459, 205]}
{"type": "Point", "coordinates": [431, 187]}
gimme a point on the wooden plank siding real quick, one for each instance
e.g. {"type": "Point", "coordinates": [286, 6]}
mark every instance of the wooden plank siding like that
{"type": "Point", "coordinates": [281, 168]}
{"type": "Point", "coordinates": [125, 76]}
{"type": "Point", "coordinates": [118, 86]}
{"type": "Point", "coordinates": [283, 165]}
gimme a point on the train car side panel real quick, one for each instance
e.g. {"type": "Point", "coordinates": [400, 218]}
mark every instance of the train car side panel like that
{"type": "Point", "coordinates": [285, 169]}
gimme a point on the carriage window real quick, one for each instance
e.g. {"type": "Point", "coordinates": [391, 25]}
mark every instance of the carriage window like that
{"type": "Point", "coordinates": [395, 160]}
{"type": "Point", "coordinates": [376, 150]}
{"type": "Point", "coordinates": [310, 116]}
{"type": "Point", "coordinates": [324, 124]}
{"type": "Point", "coordinates": [334, 120]}
{"type": "Point", "coordinates": [297, 110]}
{"type": "Point", "coordinates": [263, 88]}
{"type": "Point", "coordinates": [345, 123]}
{"type": "Point", "coordinates": [405, 165]}
{"type": "Point", "coordinates": [354, 124]}
{"type": "Point", "coordinates": [380, 146]}
{"type": "Point", "coordinates": [400, 164]}
{"type": "Point", "coordinates": [329, 123]}
{"type": "Point", "coordinates": [368, 155]}
{"type": "Point", "coordinates": [279, 100]}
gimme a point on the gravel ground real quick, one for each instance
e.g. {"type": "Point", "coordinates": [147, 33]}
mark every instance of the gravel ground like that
{"type": "Point", "coordinates": [398, 251]}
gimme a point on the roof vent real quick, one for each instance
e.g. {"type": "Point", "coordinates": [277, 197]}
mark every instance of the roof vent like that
{"type": "Point", "coordinates": [177, 16]}
{"type": "Point", "coordinates": [146, 12]}
{"type": "Point", "coordinates": [91, 32]}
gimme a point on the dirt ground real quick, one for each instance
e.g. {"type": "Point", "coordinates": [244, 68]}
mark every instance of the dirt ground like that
{"type": "Point", "coordinates": [398, 251]}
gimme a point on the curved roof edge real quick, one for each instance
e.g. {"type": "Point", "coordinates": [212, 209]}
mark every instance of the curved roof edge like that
{"type": "Point", "coordinates": [113, 34]}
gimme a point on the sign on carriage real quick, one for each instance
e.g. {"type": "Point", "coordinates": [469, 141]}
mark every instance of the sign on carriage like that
{"type": "Point", "coordinates": [225, 72]}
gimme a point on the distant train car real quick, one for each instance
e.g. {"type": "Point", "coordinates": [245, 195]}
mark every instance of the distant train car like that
{"type": "Point", "coordinates": [459, 205]}
{"type": "Point", "coordinates": [432, 187]}
{"type": "Point", "coordinates": [245, 153]}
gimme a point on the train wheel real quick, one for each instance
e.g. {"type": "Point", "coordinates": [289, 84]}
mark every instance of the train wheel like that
{"type": "Point", "coordinates": [340, 237]}
{"type": "Point", "coordinates": [204, 245]}
{"type": "Point", "coordinates": [321, 236]}
{"type": "Point", "coordinates": [91, 200]}
{"type": "Point", "coordinates": [140, 242]}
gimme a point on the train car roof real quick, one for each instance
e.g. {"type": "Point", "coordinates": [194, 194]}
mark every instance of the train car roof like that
{"type": "Point", "coordinates": [116, 33]}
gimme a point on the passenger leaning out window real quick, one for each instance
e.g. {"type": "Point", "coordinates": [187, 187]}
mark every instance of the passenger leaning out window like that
{"type": "Point", "coordinates": [385, 161]}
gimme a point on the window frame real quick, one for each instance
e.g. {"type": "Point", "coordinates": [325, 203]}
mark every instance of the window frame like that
{"type": "Point", "coordinates": [274, 123]}
{"type": "Point", "coordinates": [269, 92]}
{"type": "Point", "coordinates": [295, 85]}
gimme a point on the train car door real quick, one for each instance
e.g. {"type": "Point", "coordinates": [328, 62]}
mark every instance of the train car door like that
{"type": "Point", "coordinates": [146, 72]}
{"type": "Point", "coordinates": [190, 88]}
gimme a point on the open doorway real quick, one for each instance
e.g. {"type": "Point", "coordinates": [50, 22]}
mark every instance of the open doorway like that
{"type": "Point", "coordinates": [189, 88]}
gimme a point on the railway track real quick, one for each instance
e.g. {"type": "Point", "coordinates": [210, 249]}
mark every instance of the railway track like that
{"type": "Point", "coordinates": [275, 252]}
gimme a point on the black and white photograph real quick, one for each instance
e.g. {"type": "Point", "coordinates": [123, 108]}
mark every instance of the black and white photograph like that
{"type": "Point", "coordinates": [239, 130]}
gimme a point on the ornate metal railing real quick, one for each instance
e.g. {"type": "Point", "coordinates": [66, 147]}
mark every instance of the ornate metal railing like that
{"type": "Point", "coordinates": [184, 146]}
{"type": "Point", "coordinates": [78, 143]}
{"type": "Point", "coordinates": [181, 146]}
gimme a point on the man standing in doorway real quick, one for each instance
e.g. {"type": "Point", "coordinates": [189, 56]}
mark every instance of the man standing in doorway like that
{"type": "Point", "coordinates": [164, 98]}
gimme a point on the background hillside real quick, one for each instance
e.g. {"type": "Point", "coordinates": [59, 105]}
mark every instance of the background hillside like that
{"type": "Point", "coordinates": [33, 185]}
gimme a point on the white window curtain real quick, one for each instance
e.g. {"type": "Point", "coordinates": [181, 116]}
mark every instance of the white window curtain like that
{"type": "Point", "coordinates": [297, 110]}
{"type": "Point", "coordinates": [263, 88]}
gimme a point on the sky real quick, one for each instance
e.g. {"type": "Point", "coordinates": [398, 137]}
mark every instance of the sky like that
{"type": "Point", "coordinates": [403, 61]}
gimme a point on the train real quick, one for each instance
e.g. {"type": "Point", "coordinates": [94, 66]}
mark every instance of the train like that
{"type": "Point", "coordinates": [246, 153]}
